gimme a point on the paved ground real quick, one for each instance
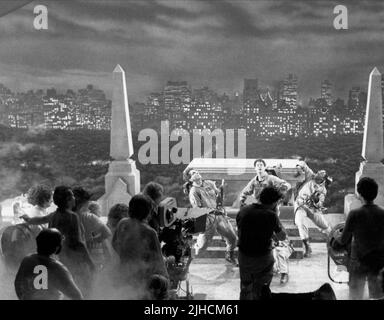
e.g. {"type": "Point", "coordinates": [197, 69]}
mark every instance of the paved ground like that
{"type": "Point", "coordinates": [215, 279]}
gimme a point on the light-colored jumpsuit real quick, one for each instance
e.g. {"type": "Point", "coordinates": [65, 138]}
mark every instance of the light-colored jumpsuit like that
{"type": "Point", "coordinates": [204, 196]}
{"type": "Point", "coordinates": [303, 209]}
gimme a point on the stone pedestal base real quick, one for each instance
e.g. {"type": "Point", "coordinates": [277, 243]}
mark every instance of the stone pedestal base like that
{"type": "Point", "coordinates": [375, 171]}
{"type": "Point", "coordinates": [121, 183]}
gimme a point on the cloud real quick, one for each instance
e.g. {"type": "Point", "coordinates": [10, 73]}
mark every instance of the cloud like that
{"type": "Point", "coordinates": [216, 43]}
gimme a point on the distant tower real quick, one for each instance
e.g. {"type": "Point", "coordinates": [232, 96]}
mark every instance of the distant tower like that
{"type": "Point", "coordinates": [326, 91]}
{"type": "Point", "coordinates": [177, 102]}
{"type": "Point", "coordinates": [251, 105]}
{"type": "Point", "coordinates": [289, 90]}
{"type": "Point", "coordinates": [251, 89]}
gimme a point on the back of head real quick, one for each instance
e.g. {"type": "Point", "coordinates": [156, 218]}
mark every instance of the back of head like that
{"type": "Point", "coordinates": [39, 195]}
{"type": "Point", "coordinates": [140, 207]}
{"type": "Point", "coordinates": [158, 287]}
{"type": "Point", "coordinates": [153, 190]}
{"type": "Point", "coordinates": [48, 240]}
{"type": "Point", "coordinates": [325, 292]}
{"type": "Point", "coordinates": [116, 213]}
{"type": "Point", "coordinates": [270, 195]}
{"type": "Point", "coordinates": [82, 196]}
{"type": "Point", "coordinates": [367, 188]}
{"type": "Point", "coordinates": [95, 208]}
{"type": "Point", "coordinates": [61, 196]}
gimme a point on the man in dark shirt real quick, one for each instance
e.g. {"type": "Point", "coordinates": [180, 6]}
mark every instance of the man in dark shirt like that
{"type": "Point", "coordinates": [364, 229]}
{"type": "Point", "coordinates": [155, 192]}
{"type": "Point", "coordinates": [257, 223]}
{"type": "Point", "coordinates": [41, 277]}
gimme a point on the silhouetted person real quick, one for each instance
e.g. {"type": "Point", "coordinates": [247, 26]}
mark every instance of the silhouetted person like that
{"type": "Point", "coordinates": [41, 276]}
{"type": "Point", "coordinates": [364, 229]}
{"type": "Point", "coordinates": [138, 246]}
{"type": "Point", "coordinates": [96, 233]}
{"type": "Point", "coordinates": [94, 208]}
{"type": "Point", "coordinates": [268, 178]}
{"type": "Point", "coordinates": [157, 288]}
{"type": "Point", "coordinates": [155, 192]}
{"type": "Point", "coordinates": [257, 224]}
{"type": "Point", "coordinates": [118, 212]}
{"type": "Point", "coordinates": [74, 254]}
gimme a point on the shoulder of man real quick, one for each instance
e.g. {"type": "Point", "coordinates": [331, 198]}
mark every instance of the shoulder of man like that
{"type": "Point", "coordinates": [148, 228]}
{"type": "Point", "coordinates": [253, 207]}
{"type": "Point", "coordinates": [210, 182]}
{"type": "Point", "coordinates": [58, 265]}
{"type": "Point", "coordinates": [275, 179]}
{"type": "Point", "coordinates": [29, 259]}
{"type": "Point", "coordinates": [356, 211]}
{"type": "Point", "coordinates": [91, 218]}
{"type": "Point", "coordinates": [124, 223]}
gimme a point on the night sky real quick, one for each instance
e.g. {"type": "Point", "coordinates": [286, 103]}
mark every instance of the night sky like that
{"type": "Point", "coordinates": [216, 43]}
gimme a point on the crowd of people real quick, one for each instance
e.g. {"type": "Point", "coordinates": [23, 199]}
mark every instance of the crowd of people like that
{"type": "Point", "coordinates": [74, 246]}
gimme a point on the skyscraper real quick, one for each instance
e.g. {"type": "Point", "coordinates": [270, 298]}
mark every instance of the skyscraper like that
{"type": "Point", "coordinates": [177, 102]}
{"type": "Point", "coordinates": [356, 101]}
{"type": "Point", "coordinates": [289, 91]}
{"type": "Point", "coordinates": [206, 110]}
{"type": "Point", "coordinates": [250, 90]}
{"type": "Point", "coordinates": [326, 91]}
{"type": "Point", "coordinates": [154, 106]}
{"type": "Point", "coordinates": [251, 107]}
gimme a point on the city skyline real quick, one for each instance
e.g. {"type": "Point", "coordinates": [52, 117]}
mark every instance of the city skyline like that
{"type": "Point", "coordinates": [318, 93]}
{"type": "Point", "coordinates": [258, 111]}
{"type": "Point", "coordinates": [156, 40]}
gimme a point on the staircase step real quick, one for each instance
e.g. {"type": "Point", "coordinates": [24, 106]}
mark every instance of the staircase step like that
{"type": "Point", "coordinates": [217, 241]}
{"type": "Point", "coordinates": [219, 253]}
{"type": "Point", "coordinates": [217, 247]}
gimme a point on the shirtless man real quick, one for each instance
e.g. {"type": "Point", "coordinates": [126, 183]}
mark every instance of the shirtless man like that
{"type": "Point", "coordinates": [59, 281]}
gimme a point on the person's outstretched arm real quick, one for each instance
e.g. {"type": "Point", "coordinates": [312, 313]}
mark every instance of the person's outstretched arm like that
{"type": "Point", "coordinates": [308, 172]}
{"type": "Point", "coordinates": [281, 184]}
{"type": "Point", "coordinates": [37, 220]}
{"type": "Point", "coordinates": [247, 191]}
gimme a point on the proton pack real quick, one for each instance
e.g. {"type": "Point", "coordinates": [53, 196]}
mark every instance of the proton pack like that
{"type": "Point", "coordinates": [339, 255]}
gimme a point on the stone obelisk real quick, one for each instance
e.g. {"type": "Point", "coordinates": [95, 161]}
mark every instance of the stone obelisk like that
{"type": "Point", "coordinates": [123, 179]}
{"type": "Point", "coordinates": [373, 136]}
{"type": "Point", "coordinates": [372, 150]}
